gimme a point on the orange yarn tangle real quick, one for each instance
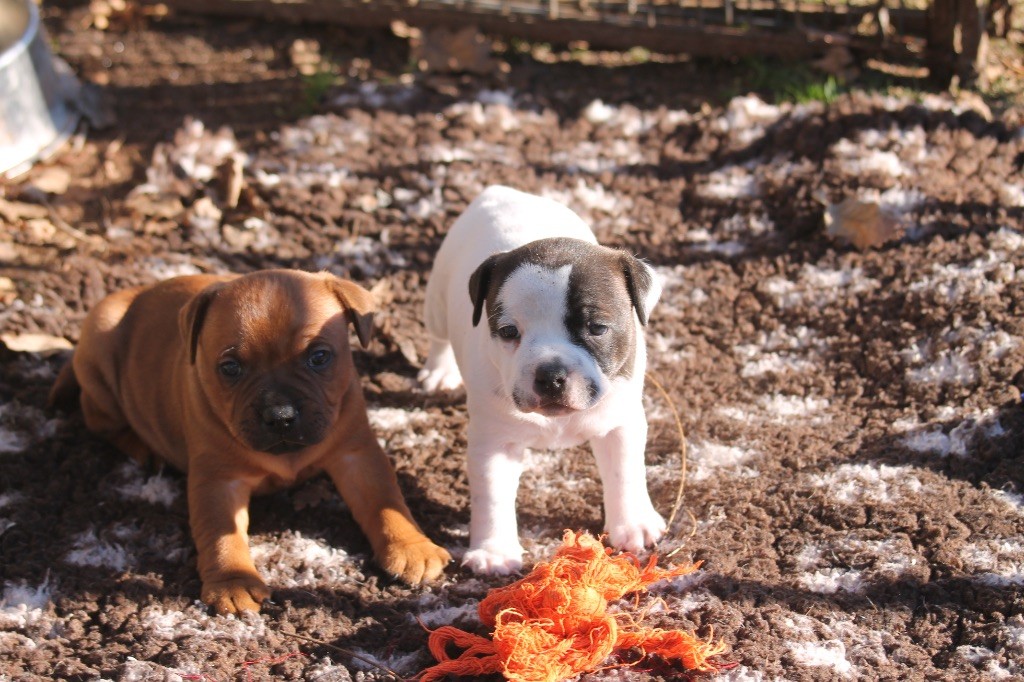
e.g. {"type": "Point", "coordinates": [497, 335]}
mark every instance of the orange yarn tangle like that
{"type": "Point", "coordinates": [554, 623]}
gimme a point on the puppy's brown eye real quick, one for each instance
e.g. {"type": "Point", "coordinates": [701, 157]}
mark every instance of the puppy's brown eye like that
{"type": "Point", "coordinates": [509, 332]}
{"type": "Point", "coordinates": [597, 329]}
{"type": "Point", "coordinates": [230, 368]}
{"type": "Point", "coordinates": [319, 359]}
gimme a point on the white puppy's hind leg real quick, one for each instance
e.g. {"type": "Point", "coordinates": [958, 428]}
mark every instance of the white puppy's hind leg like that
{"type": "Point", "coordinates": [493, 531]}
{"type": "Point", "coordinates": [631, 520]}
{"type": "Point", "coordinates": [440, 372]}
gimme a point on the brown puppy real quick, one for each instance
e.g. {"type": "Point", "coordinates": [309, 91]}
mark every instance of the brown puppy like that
{"type": "Point", "coordinates": [247, 385]}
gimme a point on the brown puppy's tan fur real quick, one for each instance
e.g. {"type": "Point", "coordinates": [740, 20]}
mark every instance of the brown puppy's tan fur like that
{"type": "Point", "coordinates": [147, 367]}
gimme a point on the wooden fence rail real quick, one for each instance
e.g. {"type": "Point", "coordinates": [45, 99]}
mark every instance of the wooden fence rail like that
{"type": "Point", "coordinates": [947, 35]}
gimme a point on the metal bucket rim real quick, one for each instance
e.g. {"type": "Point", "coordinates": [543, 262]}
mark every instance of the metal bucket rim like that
{"type": "Point", "coordinates": [21, 45]}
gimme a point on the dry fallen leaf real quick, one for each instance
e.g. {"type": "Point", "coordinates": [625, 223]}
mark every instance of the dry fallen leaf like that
{"type": "Point", "coordinates": [440, 49]}
{"type": "Point", "coordinates": [9, 253]}
{"type": "Point", "coordinates": [862, 223]}
{"type": "Point", "coordinates": [407, 348]}
{"type": "Point", "coordinates": [382, 292]}
{"type": "Point", "coordinates": [35, 343]}
{"type": "Point", "coordinates": [52, 180]}
{"type": "Point", "coordinates": [231, 180]}
{"type": "Point", "coordinates": [121, 14]}
{"type": "Point", "coordinates": [204, 214]}
{"type": "Point", "coordinates": [838, 61]}
{"type": "Point", "coordinates": [15, 211]}
{"type": "Point", "coordinates": [162, 206]}
{"type": "Point", "coordinates": [305, 56]}
{"type": "Point", "coordinates": [8, 290]}
{"type": "Point", "coordinates": [41, 231]}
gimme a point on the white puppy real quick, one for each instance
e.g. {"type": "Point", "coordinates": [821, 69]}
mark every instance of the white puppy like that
{"type": "Point", "coordinates": [559, 359]}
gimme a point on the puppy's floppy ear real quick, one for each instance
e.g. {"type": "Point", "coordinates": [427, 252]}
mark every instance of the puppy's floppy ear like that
{"type": "Point", "coordinates": [192, 316]}
{"type": "Point", "coordinates": [479, 283]}
{"type": "Point", "coordinates": [359, 305]}
{"type": "Point", "coordinates": [643, 283]}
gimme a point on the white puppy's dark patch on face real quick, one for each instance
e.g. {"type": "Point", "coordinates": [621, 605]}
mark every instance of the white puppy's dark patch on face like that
{"type": "Point", "coordinates": [562, 318]}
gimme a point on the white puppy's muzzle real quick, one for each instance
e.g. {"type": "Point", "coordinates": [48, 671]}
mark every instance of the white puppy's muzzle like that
{"type": "Point", "coordinates": [554, 386]}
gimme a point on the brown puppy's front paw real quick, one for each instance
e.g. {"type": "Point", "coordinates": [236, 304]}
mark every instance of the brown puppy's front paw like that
{"type": "Point", "coordinates": [234, 595]}
{"type": "Point", "coordinates": [414, 562]}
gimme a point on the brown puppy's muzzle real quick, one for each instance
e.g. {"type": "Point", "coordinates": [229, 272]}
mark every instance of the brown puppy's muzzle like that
{"type": "Point", "coordinates": [281, 419]}
{"type": "Point", "coordinates": [278, 423]}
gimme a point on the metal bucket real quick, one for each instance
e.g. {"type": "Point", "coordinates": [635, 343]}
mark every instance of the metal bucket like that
{"type": "Point", "coordinates": [36, 90]}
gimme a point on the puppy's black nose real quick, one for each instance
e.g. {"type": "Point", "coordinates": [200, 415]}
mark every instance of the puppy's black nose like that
{"type": "Point", "coordinates": [550, 378]}
{"type": "Point", "coordinates": [280, 418]}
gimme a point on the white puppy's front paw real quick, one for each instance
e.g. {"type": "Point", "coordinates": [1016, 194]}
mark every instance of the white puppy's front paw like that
{"type": "Point", "coordinates": [636, 532]}
{"type": "Point", "coordinates": [494, 559]}
{"type": "Point", "coordinates": [445, 377]}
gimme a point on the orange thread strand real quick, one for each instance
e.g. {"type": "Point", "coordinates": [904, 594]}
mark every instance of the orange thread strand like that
{"type": "Point", "coordinates": [553, 624]}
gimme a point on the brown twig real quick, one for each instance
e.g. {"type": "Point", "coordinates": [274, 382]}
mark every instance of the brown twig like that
{"type": "Point", "coordinates": [682, 454]}
{"type": "Point", "coordinates": [63, 225]}
{"type": "Point", "coordinates": [1016, 68]}
{"type": "Point", "coordinates": [347, 652]}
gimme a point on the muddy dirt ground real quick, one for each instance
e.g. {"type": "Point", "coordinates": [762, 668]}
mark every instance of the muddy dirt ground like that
{"type": "Point", "coordinates": [855, 481]}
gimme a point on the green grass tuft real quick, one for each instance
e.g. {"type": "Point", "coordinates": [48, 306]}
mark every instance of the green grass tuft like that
{"type": "Point", "coordinates": [314, 87]}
